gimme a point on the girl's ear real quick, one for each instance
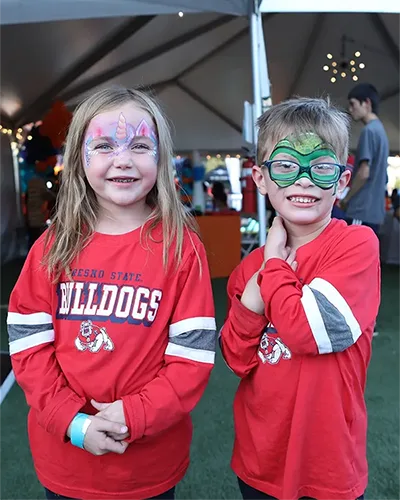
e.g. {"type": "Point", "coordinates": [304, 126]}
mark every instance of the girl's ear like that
{"type": "Point", "coordinates": [259, 178]}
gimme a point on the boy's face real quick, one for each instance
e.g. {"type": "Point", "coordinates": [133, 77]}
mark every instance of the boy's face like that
{"type": "Point", "coordinates": [359, 110]}
{"type": "Point", "coordinates": [298, 198]}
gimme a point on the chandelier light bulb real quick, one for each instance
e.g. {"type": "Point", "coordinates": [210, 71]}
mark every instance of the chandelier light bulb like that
{"type": "Point", "coordinates": [329, 56]}
{"type": "Point", "coordinates": [334, 64]}
{"type": "Point", "coordinates": [343, 74]}
{"type": "Point", "coordinates": [355, 78]}
{"type": "Point", "coordinates": [361, 65]}
{"type": "Point", "coordinates": [357, 54]}
{"type": "Point", "coordinates": [334, 71]}
{"type": "Point", "coordinates": [326, 68]}
{"type": "Point", "coordinates": [352, 63]}
{"type": "Point", "coordinates": [353, 70]}
{"type": "Point", "coordinates": [333, 79]}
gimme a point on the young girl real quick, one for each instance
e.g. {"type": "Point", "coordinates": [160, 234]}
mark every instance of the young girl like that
{"type": "Point", "coordinates": [111, 323]}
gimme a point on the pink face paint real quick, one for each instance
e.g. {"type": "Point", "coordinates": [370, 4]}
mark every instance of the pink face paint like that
{"type": "Point", "coordinates": [114, 138]}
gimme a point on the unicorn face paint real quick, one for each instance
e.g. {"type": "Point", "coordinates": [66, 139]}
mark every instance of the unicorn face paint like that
{"type": "Point", "coordinates": [112, 139]}
{"type": "Point", "coordinates": [120, 154]}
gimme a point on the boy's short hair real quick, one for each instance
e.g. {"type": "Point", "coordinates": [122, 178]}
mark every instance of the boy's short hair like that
{"type": "Point", "coordinates": [364, 91]}
{"type": "Point", "coordinates": [298, 116]}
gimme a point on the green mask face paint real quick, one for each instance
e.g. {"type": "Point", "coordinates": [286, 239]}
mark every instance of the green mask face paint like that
{"type": "Point", "coordinates": [307, 156]}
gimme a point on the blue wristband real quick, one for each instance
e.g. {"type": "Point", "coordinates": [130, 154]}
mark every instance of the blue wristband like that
{"type": "Point", "coordinates": [79, 427]}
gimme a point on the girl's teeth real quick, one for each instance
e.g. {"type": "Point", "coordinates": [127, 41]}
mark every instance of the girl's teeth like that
{"type": "Point", "coordinates": [123, 180]}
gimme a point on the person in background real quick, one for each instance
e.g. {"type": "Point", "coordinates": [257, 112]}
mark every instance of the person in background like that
{"type": "Point", "coordinates": [365, 201]}
{"type": "Point", "coordinates": [395, 202]}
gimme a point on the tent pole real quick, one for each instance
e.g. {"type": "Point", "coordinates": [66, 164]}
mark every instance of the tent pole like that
{"type": "Point", "coordinates": [255, 27]}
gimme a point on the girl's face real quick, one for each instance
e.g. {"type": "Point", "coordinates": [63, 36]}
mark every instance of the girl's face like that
{"type": "Point", "coordinates": [120, 155]}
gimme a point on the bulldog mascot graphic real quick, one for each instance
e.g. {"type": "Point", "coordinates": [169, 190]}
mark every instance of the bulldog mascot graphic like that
{"type": "Point", "coordinates": [272, 349]}
{"type": "Point", "coordinates": [92, 338]}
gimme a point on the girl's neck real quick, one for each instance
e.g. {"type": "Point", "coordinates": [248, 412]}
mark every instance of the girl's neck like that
{"type": "Point", "coordinates": [299, 235]}
{"type": "Point", "coordinates": [119, 220]}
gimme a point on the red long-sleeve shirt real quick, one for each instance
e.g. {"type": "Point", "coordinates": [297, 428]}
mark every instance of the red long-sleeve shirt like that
{"type": "Point", "coordinates": [124, 328]}
{"type": "Point", "coordinates": [300, 415]}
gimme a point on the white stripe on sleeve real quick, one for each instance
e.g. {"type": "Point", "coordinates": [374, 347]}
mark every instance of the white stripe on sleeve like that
{"type": "Point", "coordinates": [193, 354]}
{"type": "Point", "coordinates": [31, 341]}
{"type": "Point", "coordinates": [315, 321]}
{"type": "Point", "coordinates": [39, 318]}
{"type": "Point", "coordinates": [190, 324]}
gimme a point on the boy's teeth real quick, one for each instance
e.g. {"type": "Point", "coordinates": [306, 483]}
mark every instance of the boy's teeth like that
{"type": "Point", "coordinates": [301, 199]}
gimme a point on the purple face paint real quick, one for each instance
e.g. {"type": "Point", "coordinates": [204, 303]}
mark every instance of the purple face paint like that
{"type": "Point", "coordinates": [112, 139]}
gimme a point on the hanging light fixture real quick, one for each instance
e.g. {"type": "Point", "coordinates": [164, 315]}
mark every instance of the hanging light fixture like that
{"type": "Point", "coordinates": [343, 65]}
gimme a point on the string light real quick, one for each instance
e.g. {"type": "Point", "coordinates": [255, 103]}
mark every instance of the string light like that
{"type": "Point", "coordinates": [333, 79]}
{"type": "Point", "coordinates": [9, 131]}
{"type": "Point", "coordinates": [29, 137]}
{"type": "Point", "coordinates": [329, 56]}
{"type": "Point", "coordinates": [180, 14]}
{"type": "Point", "coordinates": [355, 78]}
{"type": "Point", "coordinates": [334, 64]}
{"type": "Point", "coordinates": [353, 70]}
{"type": "Point", "coordinates": [20, 130]}
{"type": "Point", "coordinates": [357, 54]}
{"type": "Point", "coordinates": [334, 71]}
{"type": "Point", "coordinates": [343, 74]}
{"type": "Point", "coordinates": [361, 65]}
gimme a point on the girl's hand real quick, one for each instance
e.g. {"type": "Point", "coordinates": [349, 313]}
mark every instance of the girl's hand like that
{"type": "Point", "coordinates": [97, 438]}
{"type": "Point", "coordinates": [251, 296]}
{"type": "Point", "coordinates": [114, 412]}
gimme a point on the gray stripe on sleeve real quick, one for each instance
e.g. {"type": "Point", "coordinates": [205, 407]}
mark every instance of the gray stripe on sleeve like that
{"type": "Point", "coordinates": [196, 339]}
{"type": "Point", "coordinates": [336, 327]}
{"type": "Point", "coordinates": [16, 332]}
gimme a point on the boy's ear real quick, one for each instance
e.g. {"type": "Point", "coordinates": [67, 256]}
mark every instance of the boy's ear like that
{"type": "Point", "coordinates": [343, 181]}
{"type": "Point", "coordinates": [259, 179]}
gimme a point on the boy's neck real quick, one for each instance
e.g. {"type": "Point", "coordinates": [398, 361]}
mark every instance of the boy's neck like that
{"type": "Point", "coordinates": [369, 117]}
{"type": "Point", "coordinates": [299, 235]}
{"type": "Point", "coordinates": [121, 220]}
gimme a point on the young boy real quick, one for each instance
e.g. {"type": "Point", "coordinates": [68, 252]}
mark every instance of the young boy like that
{"type": "Point", "coordinates": [301, 316]}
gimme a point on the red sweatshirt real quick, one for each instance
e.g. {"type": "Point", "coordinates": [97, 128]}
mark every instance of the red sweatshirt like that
{"type": "Point", "coordinates": [300, 415]}
{"type": "Point", "coordinates": [122, 329]}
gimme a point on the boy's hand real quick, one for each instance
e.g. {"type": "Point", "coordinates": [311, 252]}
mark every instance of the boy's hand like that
{"type": "Point", "coordinates": [251, 297]}
{"type": "Point", "coordinates": [275, 247]}
{"type": "Point", "coordinates": [114, 412]}
{"type": "Point", "coordinates": [97, 438]}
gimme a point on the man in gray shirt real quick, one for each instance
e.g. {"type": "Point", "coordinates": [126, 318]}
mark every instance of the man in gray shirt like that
{"type": "Point", "coordinates": [365, 201]}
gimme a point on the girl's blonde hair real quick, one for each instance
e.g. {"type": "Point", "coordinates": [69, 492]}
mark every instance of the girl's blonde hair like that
{"type": "Point", "coordinates": [77, 206]}
{"type": "Point", "coordinates": [298, 116]}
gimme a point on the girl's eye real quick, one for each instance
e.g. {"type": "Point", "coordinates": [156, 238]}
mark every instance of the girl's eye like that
{"type": "Point", "coordinates": [103, 147]}
{"type": "Point", "coordinates": [140, 147]}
